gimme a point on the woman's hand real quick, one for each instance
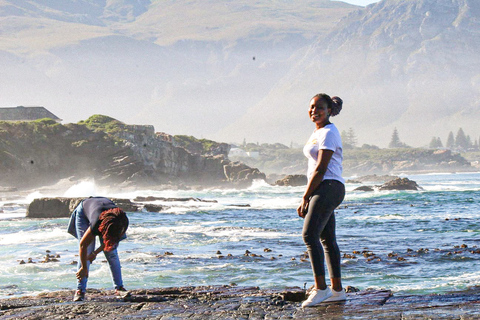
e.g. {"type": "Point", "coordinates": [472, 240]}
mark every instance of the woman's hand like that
{"type": "Point", "coordinates": [87, 239]}
{"type": "Point", "coordinates": [302, 209]}
{"type": "Point", "coordinates": [82, 273]}
{"type": "Point", "coordinates": [92, 256]}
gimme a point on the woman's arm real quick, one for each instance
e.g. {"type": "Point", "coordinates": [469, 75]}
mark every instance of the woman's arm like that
{"type": "Point", "coordinates": [323, 160]}
{"type": "Point", "coordinates": [92, 256]}
{"type": "Point", "coordinates": [87, 239]}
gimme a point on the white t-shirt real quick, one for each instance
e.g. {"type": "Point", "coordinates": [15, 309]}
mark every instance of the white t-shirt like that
{"type": "Point", "coordinates": [326, 138]}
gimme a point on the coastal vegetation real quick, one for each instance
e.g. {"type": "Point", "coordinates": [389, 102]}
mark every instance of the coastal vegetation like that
{"type": "Point", "coordinates": [368, 159]}
{"type": "Point", "coordinates": [198, 146]}
{"type": "Point", "coordinates": [103, 123]}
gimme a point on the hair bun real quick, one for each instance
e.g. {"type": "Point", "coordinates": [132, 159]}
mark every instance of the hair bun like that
{"type": "Point", "coordinates": [336, 106]}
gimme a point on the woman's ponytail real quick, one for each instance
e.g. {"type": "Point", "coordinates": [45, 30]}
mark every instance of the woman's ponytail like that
{"type": "Point", "coordinates": [337, 104]}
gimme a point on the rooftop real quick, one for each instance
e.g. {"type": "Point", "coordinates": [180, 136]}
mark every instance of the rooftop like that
{"type": "Point", "coordinates": [22, 113]}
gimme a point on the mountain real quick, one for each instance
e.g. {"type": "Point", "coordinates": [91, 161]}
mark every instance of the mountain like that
{"type": "Point", "coordinates": [230, 71]}
{"type": "Point", "coordinates": [185, 66]}
{"type": "Point", "coordinates": [411, 65]}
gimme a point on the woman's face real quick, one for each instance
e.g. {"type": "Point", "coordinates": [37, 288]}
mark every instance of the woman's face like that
{"type": "Point", "coordinates": [318, 111]}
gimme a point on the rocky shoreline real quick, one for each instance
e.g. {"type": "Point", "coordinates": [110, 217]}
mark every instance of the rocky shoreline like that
{"type": "Point", "coordinates": [233, 302]}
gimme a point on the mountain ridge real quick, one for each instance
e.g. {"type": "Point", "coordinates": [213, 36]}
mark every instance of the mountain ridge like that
{"type": "Point", "coordinates": [401, 73]}
{"type": "Point", "coordinates": [248, 74]}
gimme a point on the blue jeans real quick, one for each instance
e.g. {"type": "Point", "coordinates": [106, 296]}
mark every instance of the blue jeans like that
{"type": "Point", "coordinates": [81, 226]}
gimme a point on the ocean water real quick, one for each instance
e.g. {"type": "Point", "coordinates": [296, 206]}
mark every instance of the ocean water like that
{"type": "Point", "coordinates": [406, 241]}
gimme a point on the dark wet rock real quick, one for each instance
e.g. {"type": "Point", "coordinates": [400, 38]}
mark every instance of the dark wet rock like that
{"type": "Point", "coordinates": [232, 302]}
{"type": "Point", "coordinates": [126, 205]}
{"type": "Point", "coordinates": [364, 188]}
{"type": "Point", "coordinates": [52, 207]}
{"type": "Point", "coordinates": [242, 174]}
{"type": "Point", "coordinates": [151, 198]}
{"type": "Point", "coordinates": [350, 289]}
{"type": "Point", "coordinates": [238, 205]}
{"type": "Point", "coordinates": [292, 180]}
{"type": "Point", "coordinates": [153, 207]}
{"type": "Point", "coordinates": [63, 207]}
{"type": "Point", "coordinates": [400, 184]}
{"type": "Point", "coordinates": [395, 184]}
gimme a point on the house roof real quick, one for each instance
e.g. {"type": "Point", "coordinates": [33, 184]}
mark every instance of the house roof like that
{"type": "Point", "coordinates": [22, 113]}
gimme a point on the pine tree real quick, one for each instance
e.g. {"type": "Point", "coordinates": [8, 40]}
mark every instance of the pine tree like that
{"type": "Point", "coordinates": [352, 138]}
{"type": "Point", "coordinates": [439, 143]}
{"type": "Point", "coordinates": [349, 139]}
{"type": "Point", "coordinates": [395, 141]}
{"type": "Point", "coordinates": [450, 141]}
{"type": "Point", "coordinates": [461, 141]}
{"type": "Point", "coordinates": [433, 143]}
{"type": "Point", "coordinates": [345, 138]}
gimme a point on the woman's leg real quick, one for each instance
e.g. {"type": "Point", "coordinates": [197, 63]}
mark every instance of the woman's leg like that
{"type": "Point", "coordinates": [332, 253]}
{"type": "Point", "coordinates": [115, 267]}
{"type": "Point", "coordinates": [81, 225]}
{"type": "Point", "coordinates": [319, 215]}
{"type": "Point", "coordinates": [328, 239]}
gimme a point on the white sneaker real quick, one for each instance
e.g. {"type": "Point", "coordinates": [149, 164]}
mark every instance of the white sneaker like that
{"type": "Point", "coordinates": [337, 296]}
{"type": "Point", "coordinates": [316, 297]}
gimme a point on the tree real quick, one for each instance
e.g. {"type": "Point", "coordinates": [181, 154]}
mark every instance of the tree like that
{"type": "Point", "coordinates": [352, 137]}
{"type": "Point", "coordinates": [461, 141]}
{"type": "Point", "coordinates": [450, 141]}
{"type": "Point", "coordinates": [439, 143]}
{"type": "Point", "coordinates": [344, 136]}
{"type": "Point", "coordinates": [349, 140]}
{"type": "Point", "coordinates": [435, 143]}
{"type": "Point", "coordinates": [395, 141]}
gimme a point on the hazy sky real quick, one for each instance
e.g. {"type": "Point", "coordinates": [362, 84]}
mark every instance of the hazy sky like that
{"type": "Point", "coordinates": [360, 2]}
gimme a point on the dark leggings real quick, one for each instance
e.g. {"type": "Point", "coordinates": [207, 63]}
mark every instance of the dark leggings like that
{"type": "Point", "coordinates": [319, 225]}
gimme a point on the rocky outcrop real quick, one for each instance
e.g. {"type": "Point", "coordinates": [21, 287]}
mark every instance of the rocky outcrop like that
{"type": "Point", "coordinates": [400, 184]}
{"type": "Point", "coordinates": [63, 207]}
{"type": "Point", "coordinates": [292, 180]}
{"type": "Point", "coordinates": [364, 188]}
{"type": "Point", "coordinates": [232, 302]}
{"type": "Point", "coordinates": [43, 152]}
{"type": "Point", "coordinates": [394, 184]}
{"type": "Point", "coordinates": [240, 173]}
{"type": "Point", "coordinates": [151, 198]}
{"type": "Point", "coordinates": [52, 207]}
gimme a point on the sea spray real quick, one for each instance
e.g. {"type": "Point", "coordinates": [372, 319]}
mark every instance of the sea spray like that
{"type": "Point", "coordinates": [82, 189]}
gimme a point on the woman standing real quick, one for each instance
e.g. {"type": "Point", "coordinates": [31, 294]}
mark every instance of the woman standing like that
{"type": "Point", "coordinates": [325, 191]}
{"type": "Point", "coordinates": [101, 217]}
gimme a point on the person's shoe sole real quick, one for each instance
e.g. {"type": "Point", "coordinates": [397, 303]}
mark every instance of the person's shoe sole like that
{"type": "Point", "coordinates": [79, 297]}
{"type": "Point", "coordinates": [337, 298]}
{"type": "Point", "coordinates": [314, 304]}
